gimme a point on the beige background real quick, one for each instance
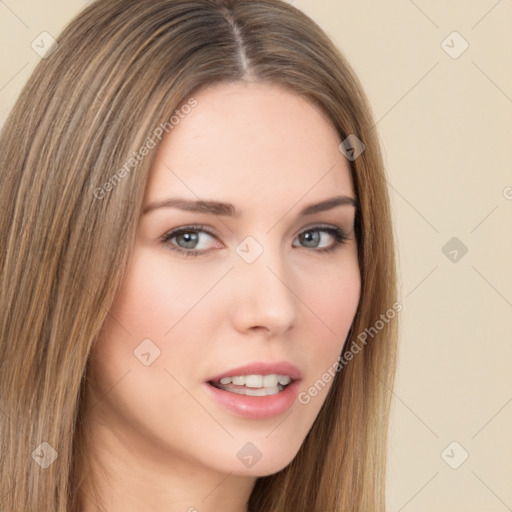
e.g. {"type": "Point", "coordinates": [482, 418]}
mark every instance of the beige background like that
{"type": "Point", "coordinates": [446, 128]}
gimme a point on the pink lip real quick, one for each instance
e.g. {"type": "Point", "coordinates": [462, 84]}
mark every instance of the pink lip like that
{"type": "Point", "coordinates": [256, 407]}
{"type": "Point", "coordinates": [261, 368]}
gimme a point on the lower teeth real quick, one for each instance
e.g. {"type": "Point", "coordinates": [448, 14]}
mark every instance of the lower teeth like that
{"type": "Point", "coordinates": [243, 390]}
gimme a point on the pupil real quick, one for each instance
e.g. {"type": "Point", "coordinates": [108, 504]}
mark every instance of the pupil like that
{"type": "Point", "coordinates": [188, 240]}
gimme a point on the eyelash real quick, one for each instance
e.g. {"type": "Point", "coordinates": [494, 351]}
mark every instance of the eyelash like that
{"type": "Point", "coordinates": [338, 234]}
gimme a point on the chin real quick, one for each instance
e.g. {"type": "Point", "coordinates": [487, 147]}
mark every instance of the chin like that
{"type": "Point", "coordinates": [262, 457]}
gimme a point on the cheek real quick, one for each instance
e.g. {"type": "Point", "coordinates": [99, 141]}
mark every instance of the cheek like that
{"type": "Point", "coordinates": [159, 302]}
{"type": "Point", "coordinates": [333, 292]}
{"type": "Point", "coordinates": [155, 295]}
{"type": "Point", "coordinates": [332, 299]}
{"type": "Point", "coordinates": [150, 302]}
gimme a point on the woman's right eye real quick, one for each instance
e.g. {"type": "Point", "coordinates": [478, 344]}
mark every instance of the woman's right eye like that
{"type": "Point", "coordinates": [189, 237]}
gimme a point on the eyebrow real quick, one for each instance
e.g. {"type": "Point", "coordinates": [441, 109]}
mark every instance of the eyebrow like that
{"type": "Point", "coordinates": [229, 210]}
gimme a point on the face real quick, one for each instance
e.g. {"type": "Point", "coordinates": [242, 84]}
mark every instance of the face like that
{"type": "Point", "coordinates": [206, 293]}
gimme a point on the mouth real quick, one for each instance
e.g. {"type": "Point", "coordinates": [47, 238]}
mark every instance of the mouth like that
{"type": "Point", "coordinates": [253, 385]}
{"type": "Point", "coordinates": [258, 390]}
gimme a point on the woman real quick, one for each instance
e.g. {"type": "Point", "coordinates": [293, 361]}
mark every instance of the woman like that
{"type": "Point", "coordinates": [250, 377]}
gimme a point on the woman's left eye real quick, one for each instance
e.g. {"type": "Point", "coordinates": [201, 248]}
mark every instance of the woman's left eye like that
{"type": "Point", "coordinates": [191, 236]}
{"type": "Point", "coordinates": [314, 235]}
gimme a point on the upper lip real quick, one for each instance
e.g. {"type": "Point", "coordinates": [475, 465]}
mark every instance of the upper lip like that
{"type": "Point", "coordinates": [261, 368]}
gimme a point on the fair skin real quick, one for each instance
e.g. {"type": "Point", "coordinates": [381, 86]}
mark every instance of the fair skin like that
{"type": "Point", "coordinates": [166, 444]}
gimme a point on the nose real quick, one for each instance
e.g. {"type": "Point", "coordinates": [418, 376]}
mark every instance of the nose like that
{"type": "Point", "coordinates": [263, 296]}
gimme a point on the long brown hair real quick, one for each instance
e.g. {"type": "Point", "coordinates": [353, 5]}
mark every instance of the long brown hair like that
{"type": "Point", "coordinates": [120, 69]}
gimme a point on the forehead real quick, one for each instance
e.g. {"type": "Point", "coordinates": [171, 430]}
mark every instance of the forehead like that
{"type": "Point", "coordinates": [243, 142]}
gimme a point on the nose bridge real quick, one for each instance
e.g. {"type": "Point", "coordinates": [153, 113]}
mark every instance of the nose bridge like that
{"type": "Point", "coordinates": [264, 294]}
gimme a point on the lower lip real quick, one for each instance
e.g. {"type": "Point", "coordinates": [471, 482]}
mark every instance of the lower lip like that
{"type": "Point", "coordinates": [256, 407]}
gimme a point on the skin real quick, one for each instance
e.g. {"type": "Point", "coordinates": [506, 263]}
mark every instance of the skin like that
{"type": "Point", "coordinates": [167, 445]}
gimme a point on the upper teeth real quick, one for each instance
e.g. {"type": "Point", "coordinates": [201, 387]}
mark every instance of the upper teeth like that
{"type": "Point", "coordinates": [257, 381]}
